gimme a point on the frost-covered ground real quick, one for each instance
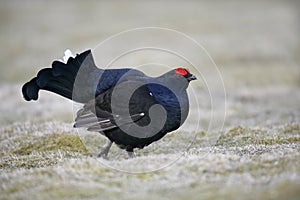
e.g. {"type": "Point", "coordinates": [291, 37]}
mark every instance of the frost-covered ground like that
{"type": "Point", "coordinates": [255, 155]}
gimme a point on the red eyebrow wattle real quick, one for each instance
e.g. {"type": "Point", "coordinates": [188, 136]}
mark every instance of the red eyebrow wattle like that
{"type": "Point", "coordinates": [182, 71]}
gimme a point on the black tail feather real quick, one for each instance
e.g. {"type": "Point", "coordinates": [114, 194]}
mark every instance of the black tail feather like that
{"type": "Point", "coordinates": [30, 90]}
{"type": "Point", "coordinates": [43, 77]}
{"type": "Point", "coordinates": [58, 79]}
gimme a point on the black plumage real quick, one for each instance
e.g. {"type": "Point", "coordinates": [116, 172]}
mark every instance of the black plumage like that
{"type": "Point", "coordinates": [129, 108]}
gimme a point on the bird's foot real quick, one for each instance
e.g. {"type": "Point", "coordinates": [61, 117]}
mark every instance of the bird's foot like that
{"type": "Point", "coordinates": [103, 154]}
{"type": "Point", "coordinates": [105, 150]}
{"type": "Point", "coordinates": [130, 154]}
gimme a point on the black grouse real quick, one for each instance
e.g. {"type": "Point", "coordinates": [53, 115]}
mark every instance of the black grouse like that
{"type": "Point", "coordinates": [129, 108]}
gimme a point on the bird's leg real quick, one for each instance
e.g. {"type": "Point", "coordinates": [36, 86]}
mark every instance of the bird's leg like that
{"type": "Point", "coordinates": [130, 153]}
{"type": "Point", "coordinates": [105, 149]}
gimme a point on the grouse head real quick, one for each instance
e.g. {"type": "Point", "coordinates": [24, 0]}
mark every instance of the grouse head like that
{"type": "Point", "coordinates": [177, 79]}
{"type": "Point", "coordinates": [185, 73]}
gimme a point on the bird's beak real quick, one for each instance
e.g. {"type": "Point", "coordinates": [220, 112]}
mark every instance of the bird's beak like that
{"type": "Point", "coordinates": [192, 77]}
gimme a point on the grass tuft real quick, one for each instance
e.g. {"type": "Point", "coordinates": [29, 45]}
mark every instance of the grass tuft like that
{"type": "Point", "coordinates": [53, 142]}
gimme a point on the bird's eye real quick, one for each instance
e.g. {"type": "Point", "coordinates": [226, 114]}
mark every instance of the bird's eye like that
{"type": "Point", "coordinates": [182, 71]}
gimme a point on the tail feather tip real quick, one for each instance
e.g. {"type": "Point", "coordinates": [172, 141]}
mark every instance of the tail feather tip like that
{"type": "Point", "coordinates": [30, 90]}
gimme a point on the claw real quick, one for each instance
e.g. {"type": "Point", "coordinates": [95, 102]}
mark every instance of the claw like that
{"type": "Point", "coordinates": [130, 154]}
{"type": "Point", "coordinates": [105, 150]}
